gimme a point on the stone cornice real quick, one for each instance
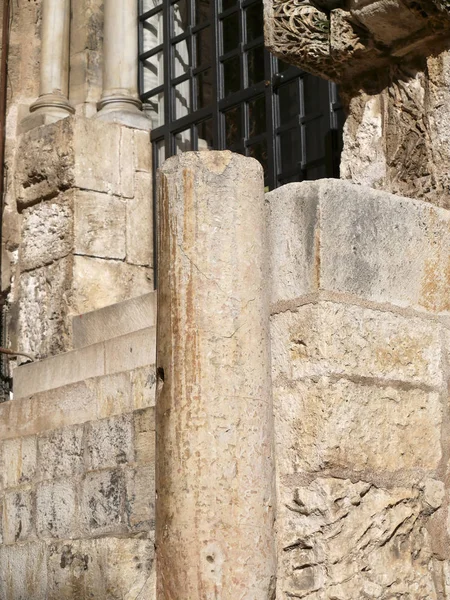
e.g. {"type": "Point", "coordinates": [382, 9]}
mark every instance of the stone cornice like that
{"type": "Point", "coordinates": [348, 41]}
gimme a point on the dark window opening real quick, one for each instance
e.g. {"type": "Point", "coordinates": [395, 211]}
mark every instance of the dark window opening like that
{"type": "Point", "coordinates": [207, 82]}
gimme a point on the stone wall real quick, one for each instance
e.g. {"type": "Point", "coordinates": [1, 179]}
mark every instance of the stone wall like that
{"type": "Point", "coordinates": [86, 225]}
{"type": "Point", "coordinates": [77, 464]}
{"type": "Point", "coordinates": [360, 349]}
{"type": "Point", "coordinates": [398, 139]}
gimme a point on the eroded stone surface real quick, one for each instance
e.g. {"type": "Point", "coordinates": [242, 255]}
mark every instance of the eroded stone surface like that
{"type": "Point", "coordinates": [343, 539]}
{"type": "Point", "coordinates": [350, 41]}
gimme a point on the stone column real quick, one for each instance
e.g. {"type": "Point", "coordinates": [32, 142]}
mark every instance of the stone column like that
{"type": "Point", "coordinates": [53, 103]}
{"type": "Point", "coordinates": [215, 474]}
{"type": "Point", "coordinates": [120, 98]}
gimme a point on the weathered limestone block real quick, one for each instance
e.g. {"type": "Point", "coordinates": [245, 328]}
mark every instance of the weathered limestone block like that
{"type": "Point", "coordinates": [214, 470]}
{"type": "Point", "coordinates": [350, 539]}
{"type": "Point", "coordinates": [47, 232]}
{"type": "Point", "coordinates": [44, 326]}
{"type": "Point", "coordinates": [19, 461]}
{"type": "Point", "coordinates": [368, 244]}
{"type": "Point", "coordinates": [103, 496]}
{"type": "Point", "coordinates": [74, 153]}
{"type": "Point", "coordinates": [23, 572]}
{"type": "Point", "coordinates": [62, 453]}
{"type": "Point", "coordinates": [18, 518]}
{"type": "Point", "coordinates": [140, 506]}
{"type": "Point", "coordinates": [99, 225]}
{"type": "Point", "coordinates": [98, 283]}
{"type": "Point", "coordinates": [360, 375]}
{"type": "Point", "coordinates": [328, 423]}
{"type": "Point", "coordinates": [56, 510]}
{"type": "Point", "coordinates": [110, 442]}
{"type": "Point", "coordinates": [348, 42]}
{"type": "Point", "coordinates": [399, 139]}
{"type": "Point", "coordinates": [139, 228]}
{"type": "Point", "coordinates": [103, 569]}
{"type": "Point", "coordinates": [338, 339]}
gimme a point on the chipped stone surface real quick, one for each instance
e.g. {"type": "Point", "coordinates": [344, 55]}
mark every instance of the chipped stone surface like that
{"type": "Point", "coordinates": [343, 539]}
{"type": "Point", "coordinates": [398, 139]}
{"type": "Point", "coordinates": [45, 303]}
{"type": "Point", "coordinates": [103, 497]}
{"type": "Point", "coordinates": [110, 442]}
{"type": "Point", "coordinates": [56, 511]}
{"type": "Point", "coordinates": [47, 233]}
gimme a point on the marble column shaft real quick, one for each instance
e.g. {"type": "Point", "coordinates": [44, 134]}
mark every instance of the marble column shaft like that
{"type": "Point", "coordinates": [54, 65]}
{"type": "Point", "coordinates": [215, 474]}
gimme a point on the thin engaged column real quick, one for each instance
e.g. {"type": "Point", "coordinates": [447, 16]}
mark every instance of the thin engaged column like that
{"type": "Point", "coordinates": [53, 100]}
{"type": "Point", "coordinates": [214, 465]}
{"type": "Point", "coordinates": [120, 96]}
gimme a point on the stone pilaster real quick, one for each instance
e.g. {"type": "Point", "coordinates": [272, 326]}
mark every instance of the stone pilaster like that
{"type": "Point", "coordinates": [214, 481]}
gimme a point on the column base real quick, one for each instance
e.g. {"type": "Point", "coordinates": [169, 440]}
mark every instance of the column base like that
{"type": "Point", "coordinates": [123, 109]}
{"type": "Point", "coordinates": [47, 109]}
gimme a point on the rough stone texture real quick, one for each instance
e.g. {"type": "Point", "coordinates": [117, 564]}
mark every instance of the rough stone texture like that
{"type": "Point", "coordinates": [86, 201]}
{"type": "Point", "coordinates": [77, 502]}
{"type": "Point", "coordinates": [352, 41]}
{"type": "Point", "coordinates": [44, 325]}
{"type": "Point", "coordinates": [214, 465]}
{"type": "Point", "coordinates": [397, 137]}
{"type": "Point", "coordinates": [47, 231]}
{"type": "Point", "coordinates": [326, 338]}
{"type": "Point", "coordinates": [360, 374]}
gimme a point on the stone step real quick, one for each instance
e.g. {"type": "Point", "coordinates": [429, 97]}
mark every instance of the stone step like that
{"type": "Point", "coordinates": [77, 403]}
{"type": "Point", "coordinates": [123, 353]}
{"type": "Point", "coordinates": [114, 320]}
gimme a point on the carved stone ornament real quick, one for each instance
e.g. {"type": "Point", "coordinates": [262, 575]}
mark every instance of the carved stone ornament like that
{"type": "Point", "coordinates": [345, 40]}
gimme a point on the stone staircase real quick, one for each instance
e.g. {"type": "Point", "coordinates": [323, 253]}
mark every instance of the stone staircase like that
{"type": "Point", "coordinates": [78, 447]}
{"type": "Point", "coordinates": [120, 337]}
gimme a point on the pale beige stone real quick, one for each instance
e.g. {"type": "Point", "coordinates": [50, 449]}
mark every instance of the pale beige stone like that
{"type": "Point", "coordinates": [75, 152]}
{"type": "Point", "coordinates": [102, 502]}
{"type": "Point", "coordinates": [47, 232]}
{"type": "Point", "coordinates": [139, 225]}
{"type": "Point", "coordinates": [45, 300]}
{"type": "Point", "coordinates": [342, 539]}
{"type": "Point", "coordinates": [23, 572]}
{"type": "Point", "coordinates": [143, 151]}
{"type": "Point", "coordinates": [339, 424]}
{"type": "Point", "coordinates": [214, 469]}
{"type": "Point", "coordinates": [143, 383]}
{"type": "Point", "coordinates": [329, 338]}
{"type": "Point", "coordinates": [18, 517]}
{"type": "Point", "coordinates": [371, 244]}
{"type": "Point", "coordinates": [61, 453]}
{"type": "Point", "coordinates": [130, 351]}
{"type": "Point", "coordinates": [19, 461]}
{"type": "Point", "coordinates": [114, 320]}
{"type": "Point", "coordinates": [99, 283]}
{"type": "Point", "coordinates": [109, 443]}
{"type": "Point", "coordinates": [99, 225]}
{"type": "Point", "coordinates": [56, 511]}
{"type": "Point", "coordinates": [102, 568]}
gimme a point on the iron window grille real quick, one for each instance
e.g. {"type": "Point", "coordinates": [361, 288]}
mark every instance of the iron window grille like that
{"type": "Point", "coordinates": [207, 82]}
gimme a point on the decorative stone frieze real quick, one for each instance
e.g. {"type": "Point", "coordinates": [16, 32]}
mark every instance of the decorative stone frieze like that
{"type": "Point", "coordinates": [345, 40]}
